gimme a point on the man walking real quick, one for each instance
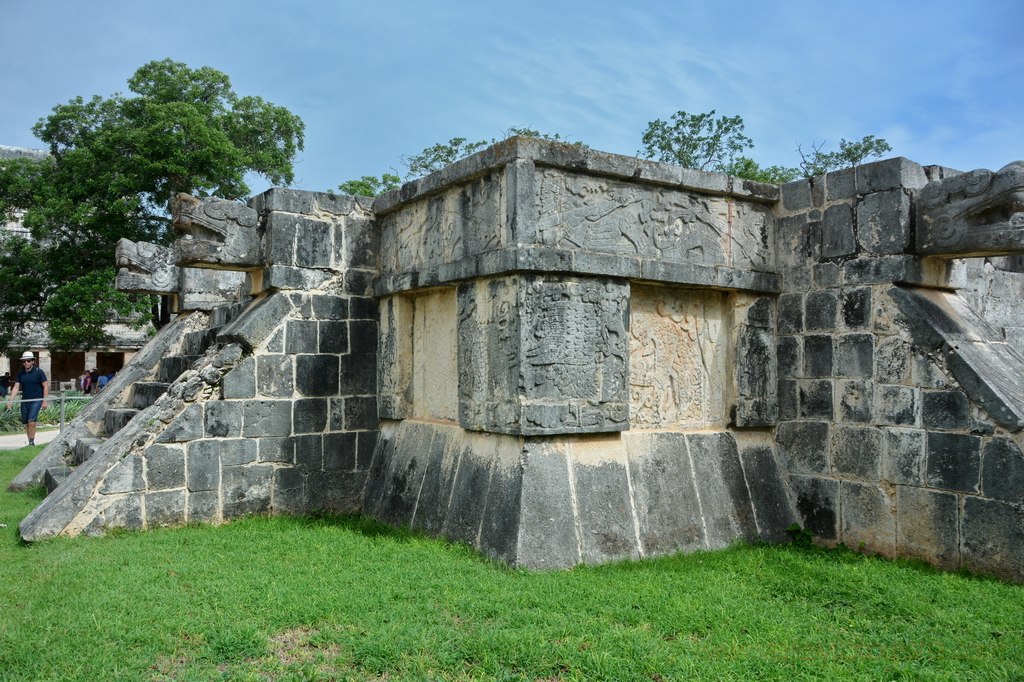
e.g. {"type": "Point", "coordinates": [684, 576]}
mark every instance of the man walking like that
{"type": "Point", "coordinates": [31, 381]}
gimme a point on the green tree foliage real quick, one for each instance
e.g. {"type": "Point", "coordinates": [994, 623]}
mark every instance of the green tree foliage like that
{"type": "Point", "coordinates": [850, 154]}
{"type": "Point", "coordinates": [371, 185]}
{"type": "Point", "coordinates": [115, 164]}
{"type": "Point", "coordinates": [698, 141]}
{"type": "Point", "coordinates": [747, 168]}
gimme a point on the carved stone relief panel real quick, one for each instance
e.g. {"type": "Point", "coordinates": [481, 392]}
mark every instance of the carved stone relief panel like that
{"type": "Point", "coordinates": [677, 351]}
{"type": "Point", "coordinates": [394, 352]}
{"type": "Point", "coordinates": [611, 216]}
{"type": "Point", "coordinates": [460, 222]}
{"type": "Point", "coordinates": [542, 355]}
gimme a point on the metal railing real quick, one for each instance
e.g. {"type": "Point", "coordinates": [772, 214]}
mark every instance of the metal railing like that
{"type": "Point", "coordinates": [61, 399]}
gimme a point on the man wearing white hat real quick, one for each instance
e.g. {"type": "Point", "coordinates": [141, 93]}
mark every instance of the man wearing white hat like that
{"type": "Point", "coordinates": [34, 391]}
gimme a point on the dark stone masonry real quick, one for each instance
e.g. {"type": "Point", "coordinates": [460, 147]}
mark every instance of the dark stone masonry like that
{"type": "Point", "coordinates": [561, 356]}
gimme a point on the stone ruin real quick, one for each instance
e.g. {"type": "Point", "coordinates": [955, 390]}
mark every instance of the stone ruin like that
{"type": "Point", "coordinates": [561, 356]}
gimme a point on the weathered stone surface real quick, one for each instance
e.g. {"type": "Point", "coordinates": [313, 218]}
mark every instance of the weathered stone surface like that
{"type": "Point", "coordinates": [145, 268]}
{"type": "Point", "coordinates": [223, 419]}
{"type": "Point", "coordinates": [203, 465]}
{"type": "Point", "coordinates": [803, 446]}
{"type": "Point", "coordinates": [816, 399]}
{"type": "Point", "coordinates": [883, 222]}
{"type": "Point", "coordinates": [897, 405]}
{"type": "Point", "coordinates": [974, 213]}
{"type": "Point", "coordinates": [165, 467]}
{"type": "Point", "coordinates": [246, 489]}
{"type": "Point", "coordinates": [605, 510]}
{"type": "Point", "coordinates": [165, 508]}
{"type": "Point", "coordinates": [954, 461]}
{"type": "Point", "coordinates": [856, 308]}
{"type": "Point", "coordinates": [259, 320]}
{"type": "Point", "coordinates": [927, 525]}
{"type": "Point", "coordinates": [837, 234]}
{"type": "Point", "coordinates": [817, 504]}
{"type": "Point", "coordinates": [1002, 474]}
{"type": "Point", "coordinates": [868, 517]}
{"type": "Point", "coordinates": [854, 355]}
{"type": "Point", "coordinates": [222, 233]}
{"type": "Point", "coordinates": [820, 310]}
{"type": "Point", "coordinates": [856, 452]}
{"type": "Point", "coordinates": [768, 495]}
{"type": "Point", "coordinates": [904, 458]}
{"type": "Point", "coordinates": [854, 401]}
{"type": "Point", "coordinates": [944, 409]}
{"type": "Point", "coordinates": [992, 537]}
{"type": "Point", "coordinates": [818, 355]}
{"type": "Point", "coordinates": [547, 534]}
{"type": "Point", "coordinates": [724, 499]}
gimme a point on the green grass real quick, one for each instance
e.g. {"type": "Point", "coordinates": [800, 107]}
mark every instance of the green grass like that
{"type": "Point", "coordinates": [342, 598]}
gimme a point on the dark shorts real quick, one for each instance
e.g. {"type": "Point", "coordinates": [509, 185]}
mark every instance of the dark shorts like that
{"type": "Point", "coordinates": [30, 410]}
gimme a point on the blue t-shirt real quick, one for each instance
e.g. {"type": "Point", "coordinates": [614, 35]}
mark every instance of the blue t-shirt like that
{"type": "Point", "coordinates": [31, 383]}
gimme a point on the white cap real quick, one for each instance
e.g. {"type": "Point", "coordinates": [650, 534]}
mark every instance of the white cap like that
{"type": "Point", "coordinates": [27, 355]}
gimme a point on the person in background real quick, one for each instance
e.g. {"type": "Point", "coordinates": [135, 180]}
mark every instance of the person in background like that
{"type": "Point", "coordinates": [5, 384]}
{"type": "Point", "coordinates": [34, 390]}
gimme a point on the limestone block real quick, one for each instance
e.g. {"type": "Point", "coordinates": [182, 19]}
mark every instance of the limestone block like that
{"type": "Point", "coordinates": [246, 489]}
{"type": "Point", "coordinates": [547, 533]}
{"type": "Point", "coordinates": [768, 495]}
{"type": "Point", "coordinates": [857, 452]}
{"type": "Point", "coordinates": [903, 456]}
{"type": "Point", "coordinates": [260, 318]}
{"type": "Point", "coordinates": [240, 380]}
{"type": "Point", "coordinates": [1003, 471]}
{"type": "Point", "coordinates": [816, 399]}
{"type": "Point", "coordinates": [332, 336]}
{"type": "Point", "coordinates": [791, 313]}
{"type": "Point", "coordinates": [201, 289]}
{"type": "Point", "coordinates": [165, 467]}
{"type": "Point", "coordinates": [301, 336]}
{"type": "Point", "coordinates": [275, 375]}
{"type": "Point", "coordinates": [239, 451]}
{"type": "Point", "coordinates": [309, 451]}
{"type": "Point", "coordinates": [309, 415]}
{"type": "Point", "coordinates": [883, 222]}
{"type": "Point", "coordinates": [394, 379]}
{"type": "Point", "coordinates": [603, 501]}
{"type": "Point", "coordinates": [443, 460]}
{"type": "Point", "coordinates": [892, 360]}
{"type": "Point", "coordinates": [927, 524]}
{"type": "Point", "coordinates": [126, 476]}
{"type": "Point", "coordinates": [499, 525]}
{"type": "Point", "coordinates": [954, 462]}
{"type": "Point", "coordinates": [724, 499]}
{"type": "Point", "coordinates": [204, 506]}
{"type": "Point", "coordinates": [993, 538]}
{"type": "Point", "coordinates": [818, 355]}
{"type": "Point", "coordinates": [837, 233]}
{"type": "Point", "coordinates": [820, 312]}
{"type": "Point", "coordinates": [668, 509]}
{"type": "Point", "coordinates": [944, 409]}
{"type": "Point", "coordinates": [868, 517]}
{"type": "Point", "coordinates": [288, 491]}
{"type": "Point", "coordinates": [803, 446]}
{"type": "Point", "coordinates": [817, 504]}
{"type": "Point", "coordinates": [358, 374]}
{"type": "Point", "coordinates": [827, 275]}
{"type": "Point", "coordinates": [677, 356]}
{"type": "Point", "coordinates": [266, 418]}
{"type": "Point", "coordinates": [185, 427]}
{"type": "Point", "coordinates": [165, 508]}
{"type": "Point", "coordinates": [856, 308]}
{"type": "Point", "coordinates": [317, 375]}
{"type": "Point", "coordinates": [897, 405]}
{"type": "Point", "coordinates": [223, 419]}
{"type": "Point", "coordinates": [796, 195]}
{"type": "Point", "coordinates": [854, 355]}
{"type": "Point", "coordinates": [337, 492]}
{"type": "Point", "coordinates": [203, 465]}
{"type": "Point", "coordinates": [755, 374]}
{"type": "Point", "coordinates": [892, 173]}
{"type": "Point", "coordinates": [854, 400]}
{"type": "Point", "coordinates": [468, 500]}
{"type": "Point", "coordinates": [341, 451]}
{"type": "Point", "coordinates": [790, 356]}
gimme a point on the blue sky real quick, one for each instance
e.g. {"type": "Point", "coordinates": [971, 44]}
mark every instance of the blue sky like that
{"type": "Point", "coordinates": [942, 81]}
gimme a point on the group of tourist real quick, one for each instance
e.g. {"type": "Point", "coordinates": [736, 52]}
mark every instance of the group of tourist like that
{"type": "Point", "coordinates": [93, 382]}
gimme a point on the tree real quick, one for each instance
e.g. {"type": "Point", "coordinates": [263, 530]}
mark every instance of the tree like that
{"type": "Point", "coordinates": [115, 164]}
{"type": "Point", "coordinates": [747, 168]}
{"type": "Point", "coordinates": [436, 157]}
{"type": "Point", "coordinates": [698, 141]}
{"type": "Point", "coordinates": [849, 154]}
{"type": "Point", "coordinates": [371, 185]}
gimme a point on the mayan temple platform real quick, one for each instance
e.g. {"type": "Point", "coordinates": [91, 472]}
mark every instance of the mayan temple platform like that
{"type": "Point", "coordinates": [561, 356]}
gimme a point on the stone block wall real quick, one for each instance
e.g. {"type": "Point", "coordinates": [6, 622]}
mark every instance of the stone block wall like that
{"type": "Point", "coordinates": [886, 447]}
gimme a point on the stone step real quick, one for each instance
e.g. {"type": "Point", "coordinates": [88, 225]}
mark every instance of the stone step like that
{"type": "Point", "coordinates": [84, 448]}
{"type": "Point", "coordinates": [54, 476]}
{"type": "Point", "coordinates": [196, 343]}
{"type": "Point", "coordinates": [221, 315]}
{"type": "Point", "coordinates": [145, 393]}
{"type": "Point", "coordinates": [172, 366]}
{"type": "Point", "coordinates": [115, 418]}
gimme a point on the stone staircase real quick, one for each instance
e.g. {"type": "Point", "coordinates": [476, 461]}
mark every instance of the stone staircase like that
{"type": "Point", "coordinates": [139, 395]}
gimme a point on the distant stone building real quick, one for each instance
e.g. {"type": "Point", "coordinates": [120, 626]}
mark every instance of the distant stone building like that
{"type": "Point", "coordinates": [65, 366]}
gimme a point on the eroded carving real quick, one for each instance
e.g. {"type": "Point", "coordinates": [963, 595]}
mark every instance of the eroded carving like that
{"type": "Point", "coordinates": [145, 268]}
{"type": "Point", "coordinates": [216, 233]}
{"type": "Point", "coordinates": [676, 358]}
{"type": "Point", "coordinates": [976, 213]}
{"type": "Point", "coordinates": [597, 214]}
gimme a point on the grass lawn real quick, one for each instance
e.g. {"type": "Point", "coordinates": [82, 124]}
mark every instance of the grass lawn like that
{"type": "Point", "coordinates": [341, 598]}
